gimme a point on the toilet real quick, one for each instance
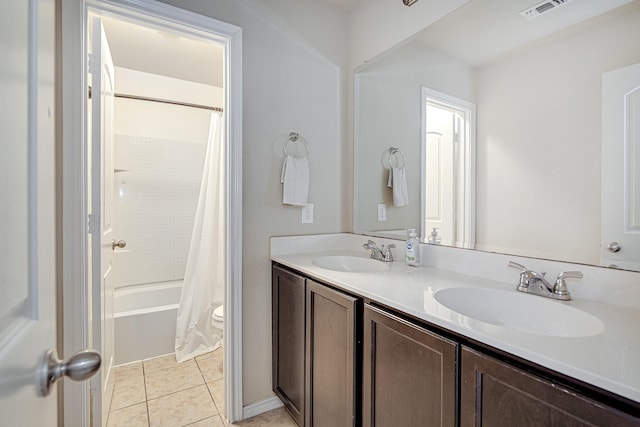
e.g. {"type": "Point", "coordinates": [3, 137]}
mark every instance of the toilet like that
{"type": "Point", "coordinates": [217, 318]}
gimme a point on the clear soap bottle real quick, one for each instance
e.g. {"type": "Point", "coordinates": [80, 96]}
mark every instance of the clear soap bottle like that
{"type": "Point", "coordinates": [412, 252]}
{"type": "Point", "coordinates": [434, 239]}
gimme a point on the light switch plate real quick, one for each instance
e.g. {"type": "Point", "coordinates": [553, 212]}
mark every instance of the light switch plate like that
{"type": "Point", "coordinates": [382, 212]}
{"type": "Point", "coordinates": [307, 214]}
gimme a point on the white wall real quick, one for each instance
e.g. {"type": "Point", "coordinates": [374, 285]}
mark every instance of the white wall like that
{"type": "Point", "coordinates": [295, 72]}
{"type": "Point", "coordinates": [389, 97]}
{"type": "Point", "coordinates": [159, 154]}
{"type": "Point", "coordinates": [538, 162]}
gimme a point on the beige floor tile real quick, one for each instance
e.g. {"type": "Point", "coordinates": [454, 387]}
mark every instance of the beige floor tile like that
{"type": "Point", "coordinates": [216, 389]}
{"type": "Point", "coordinates": [131, 416]}
{"type": "Point", "coordinates": [211, 368]}
{"type": "Point", "coordinates": [130, 370]}
{"type": "Point", "coordinates": [209, 422]}
{"type": "Point", "coordinates": [182, 408]}
{"type": "Point", "coordinates": [157, 363]}
{"type": "Point", "coordinates": [217, 352]}
{"type": "Point", "coordinates": [128, 392]}
{"type": "Point", "coordinates": [276, 418]}
{"type": "Point", "coordinates": [171, 380]}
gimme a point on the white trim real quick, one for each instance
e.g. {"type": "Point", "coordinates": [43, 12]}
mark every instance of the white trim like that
{"type": "Point", "coordinates": [233, 292]}
{"type": "Point", "coordinates": [355, 216]}
{"type": "Point", "coordinates": [74, 211]}
{"type": "Point", "coordinates": [74, 15]}
{"type": "Point", "coordinates": [262, 406]}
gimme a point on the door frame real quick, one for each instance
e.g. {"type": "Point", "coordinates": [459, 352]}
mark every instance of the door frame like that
{"type": "Point", "coordinates": [75, 265]}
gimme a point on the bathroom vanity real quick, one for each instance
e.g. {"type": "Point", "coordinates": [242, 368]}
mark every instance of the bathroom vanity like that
{"type": "Point", "coordinates": [379, 348]}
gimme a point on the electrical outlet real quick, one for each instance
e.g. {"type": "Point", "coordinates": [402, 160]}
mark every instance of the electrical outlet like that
{"type": "Point", "coordinates": [307, 214]}
{"type": "Point", "coordinates": [382, 212]}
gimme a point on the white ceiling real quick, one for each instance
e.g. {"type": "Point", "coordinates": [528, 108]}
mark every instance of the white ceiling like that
{"type": "Point", "coordinates": [485, 29]}
{"type": "Point", "coordinates": [145, 49]}
{"type": "Point", "coordinates": [474, 33]}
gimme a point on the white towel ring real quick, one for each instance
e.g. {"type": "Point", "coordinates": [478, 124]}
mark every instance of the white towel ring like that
{"type": "Point", "coordinates": [400, 158]}
{"type": "Point", "coordinates": [296, 137]}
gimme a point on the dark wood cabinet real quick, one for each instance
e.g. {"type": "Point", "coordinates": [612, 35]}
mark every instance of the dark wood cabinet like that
{"type": "Point", "coordinates": [288, 340]}
{"type": "Point", "coordinates": [409, 373]}
{"type": "Point", "coordinates": [494, 393]}
{"type": "Point", "coordinates": [316, 350]}
{"type": "Point", "coordinates": [331, 358]}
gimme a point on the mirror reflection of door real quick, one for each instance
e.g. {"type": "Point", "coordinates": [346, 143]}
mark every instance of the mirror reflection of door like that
{"type": "Point", "coordinates": [448, 148]}
{"type": "Point", "coordinates": [620, 241]}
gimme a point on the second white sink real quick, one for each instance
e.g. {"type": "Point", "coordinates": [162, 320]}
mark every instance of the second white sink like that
{"type": "Point", "coordinates": [350, 264]}
{"type": "Point", "coordinates": [527, 313]}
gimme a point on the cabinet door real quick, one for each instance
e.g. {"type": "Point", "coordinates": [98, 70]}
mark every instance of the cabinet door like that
{"type": "Point", "coordinates": [409, 373]}
{"type": "Point", "coordinates": [496, 394]}
{"type": "Point", "coordinates": [288, 334]}
{"type": "Point", "coordinates": [331, 358]}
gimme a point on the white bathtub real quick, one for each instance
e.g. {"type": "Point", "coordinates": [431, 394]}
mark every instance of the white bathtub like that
{"type": "Point", "coordinates": [145, 320]}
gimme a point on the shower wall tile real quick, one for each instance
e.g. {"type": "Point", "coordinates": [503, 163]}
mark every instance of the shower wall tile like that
{"type": "Point", "coordinates": [155, 205]}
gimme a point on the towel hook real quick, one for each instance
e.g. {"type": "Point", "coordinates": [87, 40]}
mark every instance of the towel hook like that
{"type": "Point", "coordinates": [296, 137]}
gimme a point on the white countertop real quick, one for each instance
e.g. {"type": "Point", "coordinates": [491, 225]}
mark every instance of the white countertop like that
{"type": "Point", "coordinates": [610, 360]}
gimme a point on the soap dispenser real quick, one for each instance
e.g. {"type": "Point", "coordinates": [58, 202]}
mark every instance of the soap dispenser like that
{"type": "Point", "coordinates": [412, 253]}
{"type": "Point", "coordinates": [434, 238]}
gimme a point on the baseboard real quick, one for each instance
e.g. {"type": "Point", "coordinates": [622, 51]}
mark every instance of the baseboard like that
{"type": "Point", "coordinates": [260, 407]}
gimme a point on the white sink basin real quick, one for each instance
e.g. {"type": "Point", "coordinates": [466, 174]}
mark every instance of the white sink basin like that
{"type": "Point", "coordinates": [351, 264]}
{"type": "Point", "coordinates": [529, 313]}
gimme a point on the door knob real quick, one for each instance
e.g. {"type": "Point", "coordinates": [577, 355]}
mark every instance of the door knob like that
{"type": "Point", "coordinates": [78, 367]}
{"type": "Point", "coordinates": [119, 244]}
{"type": "Point", "coordinates": [614, 247]}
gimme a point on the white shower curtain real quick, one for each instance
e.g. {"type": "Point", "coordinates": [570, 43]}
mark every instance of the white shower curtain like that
{"type": "Point", "coordinates": [204, 278]}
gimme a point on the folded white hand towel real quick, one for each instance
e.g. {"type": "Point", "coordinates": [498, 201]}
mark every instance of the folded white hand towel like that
{"type": "Point", "coordinates": [398, 181]}
{"type": "Point", "coordinates": [295, 177]}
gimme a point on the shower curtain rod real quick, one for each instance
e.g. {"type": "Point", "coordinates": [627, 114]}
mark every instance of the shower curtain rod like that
{"type": "Point", "coordinates": [167, 101]}
{"type": "Point", "coordinates": [164, 101]}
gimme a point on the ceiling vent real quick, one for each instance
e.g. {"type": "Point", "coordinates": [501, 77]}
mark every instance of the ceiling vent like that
{"type": "Point", "coordinates": [543, 7]}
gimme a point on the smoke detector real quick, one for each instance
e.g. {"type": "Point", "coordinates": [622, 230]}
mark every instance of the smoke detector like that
{"type": "Point", "coordinates": [543, 7]}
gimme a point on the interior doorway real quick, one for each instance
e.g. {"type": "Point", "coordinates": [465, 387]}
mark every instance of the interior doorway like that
{"type": "Point", "coordinates": [172, 24]}
{"type": "Point", "coordinates": [448, 169]}
{"type": "Point", "coordinates": [156, 95]}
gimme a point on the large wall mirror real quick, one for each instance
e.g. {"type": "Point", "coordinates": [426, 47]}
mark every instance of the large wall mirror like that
{"type": "Point", "coordinates": [554, 168]}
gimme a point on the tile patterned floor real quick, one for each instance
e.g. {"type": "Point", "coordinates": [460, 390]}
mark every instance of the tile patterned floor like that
{"type": "Point", "coordinates": [161, 392]}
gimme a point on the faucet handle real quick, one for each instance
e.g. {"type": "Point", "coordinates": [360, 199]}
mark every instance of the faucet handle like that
{"type": "Point", "coordinates": [569, 275]}
{"type": "Point", "coordinates": [368, 244]}
{"type": "Point", "coordinates": [560, 287]}
{"type": "Point", "coordinates": [525, 275]}
{"type": "Point", "coordinates": [386, 252]}
{"type": "Point", "coordinates": [522, 268]}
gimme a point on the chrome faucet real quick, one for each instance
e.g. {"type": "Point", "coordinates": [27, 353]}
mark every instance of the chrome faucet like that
{"type": "Point", "coordinates": [381, 254]}
{"type": "Point", "coordinates": [535, 283]}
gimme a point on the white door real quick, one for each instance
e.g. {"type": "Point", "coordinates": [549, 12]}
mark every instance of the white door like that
{"type": "Point", "coordinates": [27, 210]}
{"type": "Point", "coordinates": [620, 243]}
{"type": "Point", "coordinates": [440, 173]}
{"type": "Point", "coordinates": [101, 230]}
